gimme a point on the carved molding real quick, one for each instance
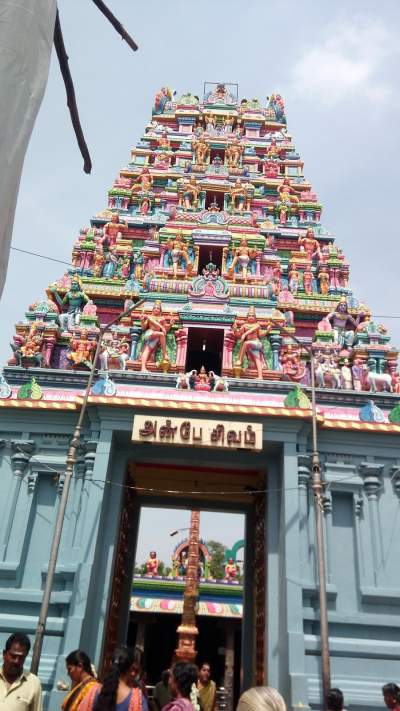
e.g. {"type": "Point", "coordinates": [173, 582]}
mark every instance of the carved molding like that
{"type": "Point", "coordinates": [259, 590]}
{"type": "Point", "coordinates": [372, 476]}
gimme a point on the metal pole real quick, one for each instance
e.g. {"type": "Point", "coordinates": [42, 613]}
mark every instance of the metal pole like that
{"type": "Point", "coordinates": [187, 630]}
{"type": "Point", "coordinates": [318, 508]}
{"type": "Point", "coordinates": [70, 462]}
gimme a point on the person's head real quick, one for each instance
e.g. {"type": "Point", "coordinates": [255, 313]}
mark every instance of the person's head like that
{"type": "Point", "coordinates": [205, 673]}
{"type": "Point", "coordinates": [391, 695]}
{"type": "Point", "coordinates": [165, 676]}
{"type": "Point", "coordinates": [335, 700]}
{"type": "Point", "coordinates": [78, 666]}
{"type": "Point", "coordinates": [261, 698]}
{"type": "Point", "coordinates": [126, 667]}
{"type": "Point", "coordinates": [183, 676]}
{"type": "Point", "coordinates": [14, 654]}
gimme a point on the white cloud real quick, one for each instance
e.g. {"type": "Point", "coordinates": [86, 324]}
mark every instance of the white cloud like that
{"type": "Point", "coordinates": [353, 59]}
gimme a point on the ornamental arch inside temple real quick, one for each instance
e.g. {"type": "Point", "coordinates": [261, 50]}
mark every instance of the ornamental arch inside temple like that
{"type": "Point", "coordinates": [222, 285]}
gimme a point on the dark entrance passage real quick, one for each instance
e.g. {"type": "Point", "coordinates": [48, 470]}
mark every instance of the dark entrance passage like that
{"type": "Point", "coordinates": [208, 254]}
{"type": "Point", "coordinates": [214, 200]}
{"type": "Point", "coordinates": [205, 347]}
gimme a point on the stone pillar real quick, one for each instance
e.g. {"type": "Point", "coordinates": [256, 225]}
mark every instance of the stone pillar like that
{"type": "Point", "coordinates": [229, 342]}
{"type": "Point", "coordinates": [275, 340]}
{"type": "Point", "coordinates": [22, 452]}
{"type": "Point", "coordinates": [181, 340]}
{"type": "Point", "coordinates": [372, 476]}
{"type": "Point", "coordinates": [229, 664]}
{"type": "Point", "coordinates": [135, 335]}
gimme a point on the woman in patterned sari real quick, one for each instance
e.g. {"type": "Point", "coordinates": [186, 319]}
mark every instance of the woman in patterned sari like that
{"type": "Point", "coordinates": [120, 690]}
{"type": "Point", "coordinates": [79, 669]}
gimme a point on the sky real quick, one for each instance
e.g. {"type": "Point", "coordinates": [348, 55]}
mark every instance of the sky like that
{"type": "Point", "coordinates": [227, 528]}
{"type": "Point", "coordinates": [336, 65]}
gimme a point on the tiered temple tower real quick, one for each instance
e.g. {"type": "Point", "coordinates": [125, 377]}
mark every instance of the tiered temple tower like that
{"type": "Point", "coordinates": [214, 229]}
{"type": "Point", "coordinates": [214, 224]}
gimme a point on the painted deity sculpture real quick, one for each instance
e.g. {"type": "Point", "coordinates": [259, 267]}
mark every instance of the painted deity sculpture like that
{"type": "Point", "coordinates": [144, 182]}
{"type": "Point", "coordinates": [233, 154]}
{"type": "Point", "coordinates": [75, 299]}
{"type": "Point", "coordinates": [188, 193]}
{"type": "Point", "coordinates": [162, 100]}
{"type": "Point", "coordinates": [230, 571]}
{"type": "Point", "coordinates": [82, 349]}
{"type": "Point", "coordinates": [242, 258]}
{"type": "Point", "coordinates": [327, 372]}
{"type": "Point", "coordinates": [115, 349]}
{"type": "Point", "coordinates": [155, 327]}
{"type": "Point", "coordinates": [250, 334]}
{"type": "Point", "coordinates": [343, 324]}
{"type": "Point", "coordinates": [240, 198]}
{"type": "Point", "coordinates": [202, 380]}
{"type": "Point", "coordinates": [112, 231]}
{"type": "Point", "coordinates": [287, 198]}
{"type": "Point", "coordinates": [310, 244]}
{"type": "Point", "coordinates": [201, 151]}
{"type": "Point", "coordinates": [179, 255]}
{"type": "Point", "coordinates": [293, 368]}
{"type": "Point", "coordinates": [152, 564]}
{"type": "Point", "coordinates": [32, 346]}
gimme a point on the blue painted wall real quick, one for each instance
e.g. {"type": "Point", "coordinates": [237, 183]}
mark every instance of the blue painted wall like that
{"type": "Point", "coordinates": [362, 527]}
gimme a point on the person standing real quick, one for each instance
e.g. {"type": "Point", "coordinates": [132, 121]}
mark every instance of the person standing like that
{"type": "Point", "coordinates": [162, 693]}
{"type": "Point", "coordinates": [183, 685]}
{"type": "Point", "coordinates": [391, 696]}
{"type": "Point", "coordinates": [120, 689]}
{"type": "Point", "coordinates": [261, 698]}
{"type": "Point", "coordinates": [335, 700]}
{"type": "Point", "coordinates": [79, 669]}
{"type": "Point", "coordinates": [19, 689]}
{"type": "Point", "coordinates": [207, 688]}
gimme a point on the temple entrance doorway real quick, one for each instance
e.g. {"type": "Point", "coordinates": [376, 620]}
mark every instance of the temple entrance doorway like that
{"type": "Point", "coordinates": [204, 347]}
{"type": "Point", "coordinates": [145, 601]}
{"type": "Point", "coordinates": [159, 584]}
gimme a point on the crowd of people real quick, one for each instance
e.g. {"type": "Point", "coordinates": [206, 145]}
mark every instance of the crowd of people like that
{"type": "Point", "coordinates": [184, 687]}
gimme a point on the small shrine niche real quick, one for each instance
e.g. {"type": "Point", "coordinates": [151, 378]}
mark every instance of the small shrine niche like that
{"type": "Point", "coordinates": [204, 348]}
{"type": "Point", "coordinates": [210, 254]}
{"type": "Point", "coordinates": [214, 200]}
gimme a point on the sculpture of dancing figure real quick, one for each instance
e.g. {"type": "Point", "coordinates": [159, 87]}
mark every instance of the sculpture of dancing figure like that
{"type": "Point", "coordinates": [144, 182]}
{"type": "Point", "coordinates": [287, 198]}
{"type": "Point", "coordinates": [112, 231]}
{"type": "Point", "coordinates": [343, 324]}
{"type": "Point", "coordinates": [155, 327]}
{"type": "Point", "coordinates": [234, 153]}
{"type": "Point", "coordinates": [152, 564]}
{"type": "Point", "coordinates": [240, 199]}
{"type": "Point", "coordinates": [242, 256]}
{"type": "Point", "coordinates": [75, 299]}
{"type": "Point", "coordinates": [250, 334]}
{"type": "Point", "coordinates": [178, 251]}
{"type": "Point", "coordinates": [310, 244]}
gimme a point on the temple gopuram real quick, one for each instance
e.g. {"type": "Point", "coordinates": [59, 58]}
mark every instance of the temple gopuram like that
{"type": "Point", "coordinates": [211, 263]}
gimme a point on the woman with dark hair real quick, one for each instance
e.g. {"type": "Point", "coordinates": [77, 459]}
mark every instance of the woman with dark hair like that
{"type": "Point", "coordinates": [79, 669]}
{"type": "Point", "coordinates": [183, 685]}
{"type": "Point", "coordinates": [120, 690]}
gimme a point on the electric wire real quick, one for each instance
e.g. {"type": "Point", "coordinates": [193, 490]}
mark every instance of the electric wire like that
{"type": "Point", "coordinates": [69, 264]}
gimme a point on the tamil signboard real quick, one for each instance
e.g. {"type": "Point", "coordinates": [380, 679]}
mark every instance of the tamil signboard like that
{"type": "Point", "coordinates": [221, 434]}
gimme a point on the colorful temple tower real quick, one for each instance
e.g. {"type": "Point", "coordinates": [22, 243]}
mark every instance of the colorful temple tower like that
{"type": "Point", "coordinates": [212, 237]}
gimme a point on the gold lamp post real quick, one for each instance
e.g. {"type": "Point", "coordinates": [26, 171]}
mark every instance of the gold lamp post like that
{"type": "Point", "coordinates": [187, 630]}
